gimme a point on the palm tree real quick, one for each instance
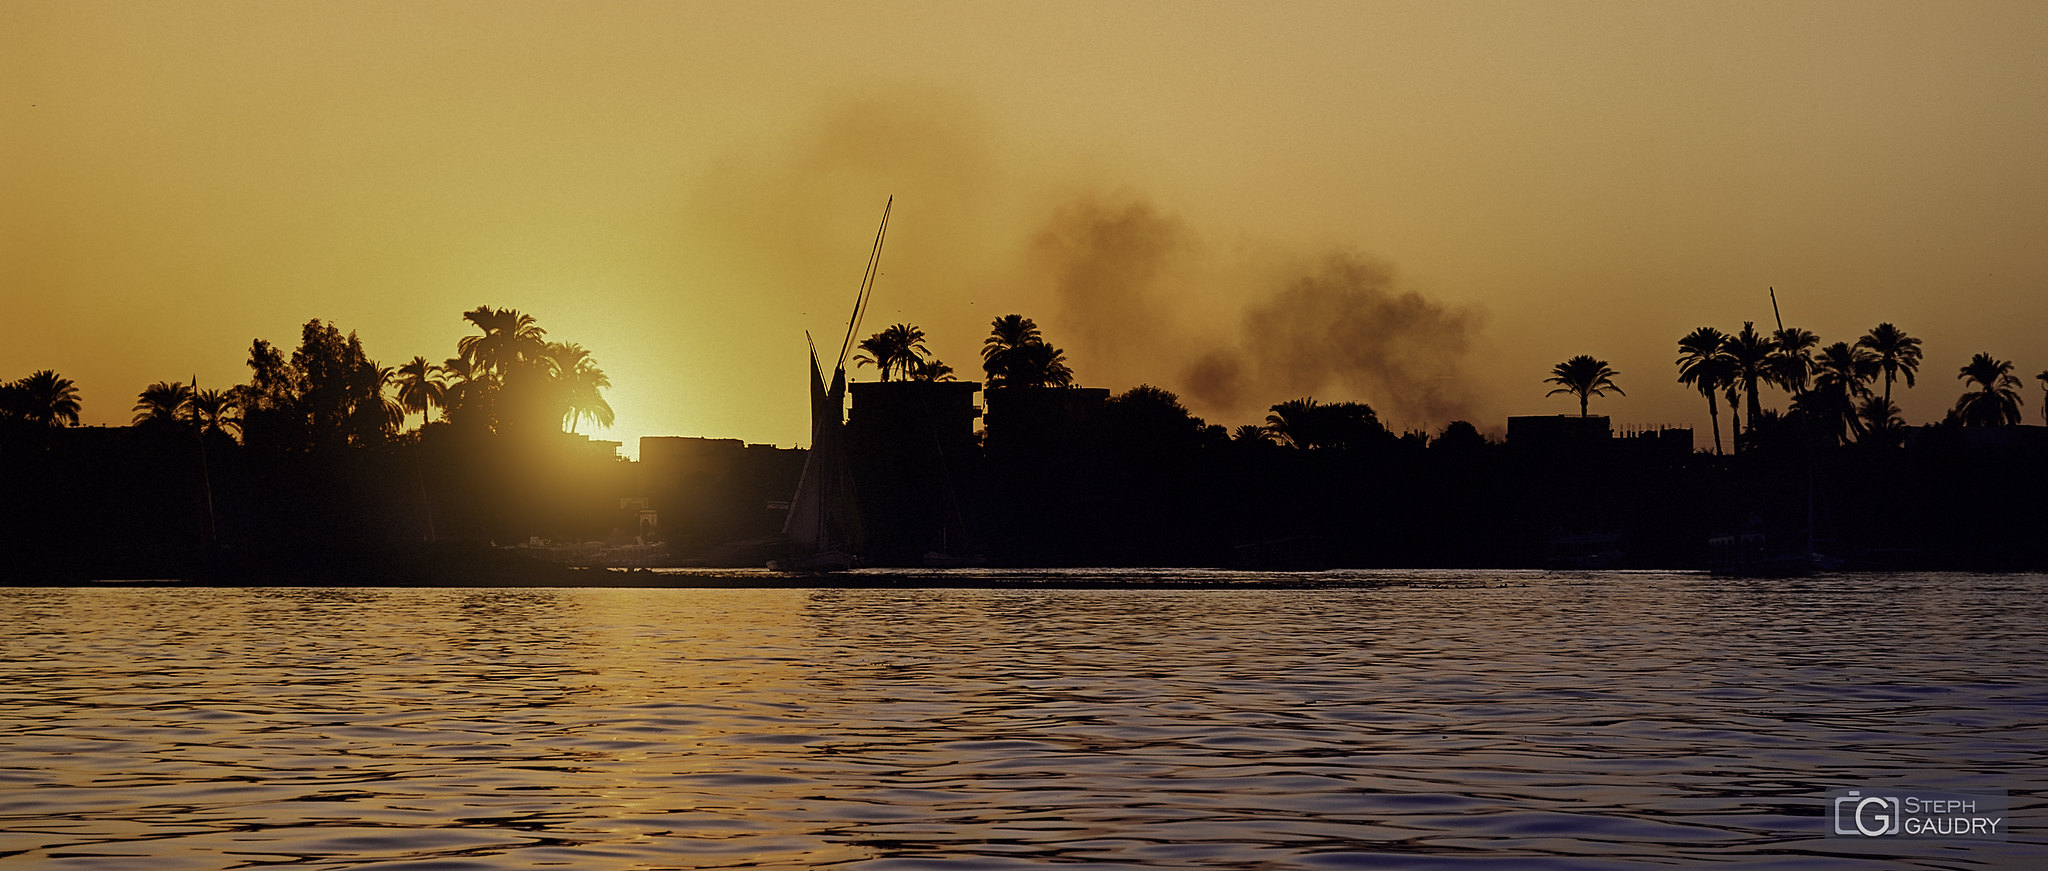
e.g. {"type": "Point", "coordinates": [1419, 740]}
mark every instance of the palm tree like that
{"type": "Point", "coordinates": [369, 414]}
{"type": "Point", "coordinates": [1584, 377]}
{"type": "Point", "coordinates": [1840, 381]}
{"type": "Point", "coordinates": [1750, 352]}
{"type": "Point", "coordinates": [1703, 362]}
{"type": "Point", "coordinates": [162, 403]}
{"type": "Point", "coordinates": [1791, 364]}
{"type": "Point", "coordinates": [1897, 354]}
{"type": "Point", "coordinates": [932, 370]}
{"type": "Point", "coordinates": [899, 349]}
{"type": "Point", "coordinates": [1015, 355]}
{"type": "Point", "coordinates": [422, 386]}
{"type": "Point", "coordinates": [509, 339]}
{"type": "Point", "coordinates": [1005, 333]}
{"type": "Point", "coordinates": [1304, 423]}
{"type": "Point", "coordinates": [45, 400]}
{"type": "Point", "coordinates": [1035, 365]}
{"type": "Point", "coordinates": [218, 411]}
{"type": "Point", "coordinates": [581, 385]}
{"type": "Point", "coordinates": [1881, 421]}
{"type": "Point", "coordinates": [1249, 433]}
{"type": "Point", "coordinates": [462, 387]}
{"type": "Point", "coordinates": [1293, 423]}
{"type": "Point", "coordinates": [1996, 401]}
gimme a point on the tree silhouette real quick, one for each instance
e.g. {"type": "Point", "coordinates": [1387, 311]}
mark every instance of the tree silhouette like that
{"type": "Point", "coordinates": [509, 339]}
{"type": "Point", "coordinates": [1250, 433]}
{"type": "Point", "coordinates": [1152, 419]}
{"type": "Point", "coordinates": [1996, 401]}
{"type": "Point", "coordinates": [1303, 423]}
{"type": "Point", "coordinates": [1015, 355]}
{"type": "Point", "coordinates": [1584, 377]}
{"type": "Point", "coordinates": [422, 386]}
{"type": "Point", "coordinates": [1037, 365]}
{"type": "Point", "coordinates": [1005, 333]}
{"type": "Point", "coordinates": [163, 404]}
{"type": "Point", "coordinates": [1897, 354]}
{"type": "Point", "coordinates": [44, 400]}
{"type": "Point", "coordinates": [329, 393]}
{"type": "Point", "coordinates": [1703, 362]}
{"type": "Point", "coordinates": [1459, 435]}
{"type": "Point", "coordinates": [898, 349]}
{"type": "Point", "coordinates": [1791, 362]}
{"type": "Point", "coordinates": [218, 411]}
{"type": "Point", "coordinates": [931, 370]}
{"type": "Point", "coordinates": [1749, 352]}
{"type": "Point", "coordinates": [1840, 382]}
{"type": "Point", "coordinates": [581, 385]}
{"type": "Point", "coordinates": [1881, 421]}
{"type": "Point", "coordinates": [1293, 423]}
{"type": "Point", "coordinates": [505, 367]}
{"type": "Point", "coordinates": [460, 388]}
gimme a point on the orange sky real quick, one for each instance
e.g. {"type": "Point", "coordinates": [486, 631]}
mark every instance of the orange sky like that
{"type": "Point", "coordinates": [685, 188]}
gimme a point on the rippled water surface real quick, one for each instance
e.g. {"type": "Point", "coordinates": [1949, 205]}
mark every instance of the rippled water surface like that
{"type": "Point", "coordinates": [1440, 719]}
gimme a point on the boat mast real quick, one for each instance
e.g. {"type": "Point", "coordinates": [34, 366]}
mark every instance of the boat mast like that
{"type": "Point", "coordinates": [867, 286]}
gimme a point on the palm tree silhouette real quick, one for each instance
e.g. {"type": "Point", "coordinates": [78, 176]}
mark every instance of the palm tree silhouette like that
{"type": "Point", "coordinates": [1306, 424]}
{"type": "Point", "coordinates": [422, 386]}
{"type": "Point", "coordinates": [1005, 333]}
{"type": "Point", "coordinates": [1750, 352]}
{"type": "Point", "coordinates": [1249, 433]}
{"type": "Point", "coordinates": [1015, 355]}
{"type": "Point", "coordinates": [1293, 423]}
{"type": "Point", "coordinates": [899, 349]}
{"type": "Point", "coordinates": [1703, 362]}
{"type": "Point", "coordinates": [1996, 401]}
{"type": "Point", "coordinates": [1897, 354]}
{"type": "Point", "coordinates": [1791, 362]}
{"type": "Point", "coordinates": [509, 339]}
{"type": "Point", "coordinates": [462, 386]}
{"type": "Point", "coordinates": [1881, 421]}
{"type": "Point", "coordinates": [164, 403]}
{"type": "Point", "coordinates": [1036, 365]}
{"type": "Point", "coordinates": [46, 401]}
{"type": "Point", "coordinates": [1584, 377]}
{"type": "Point", "coordinates": [581, 385]}
{"type": "Point", "coordinates": [218, 411]}
{"type": "Point", "coordinates": [1840, 381]}
{"type": "Point", "coordinates": [931, 370]}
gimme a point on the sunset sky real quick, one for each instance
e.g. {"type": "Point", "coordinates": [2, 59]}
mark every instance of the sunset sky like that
{"type": "Point", "coordinates": [1423, 206]}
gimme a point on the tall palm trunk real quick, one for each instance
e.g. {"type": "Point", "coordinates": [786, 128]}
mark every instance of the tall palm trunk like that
{"type": "Point", "coordinates": [1756, 407]}
{"type": "Point", "coordinates": [1714, 414]}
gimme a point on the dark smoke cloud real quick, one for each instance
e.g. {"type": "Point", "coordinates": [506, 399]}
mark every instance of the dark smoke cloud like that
{"type": "Point", "coordinates": [1345, 332]}
{"type": "Point", "coordinates": [1109, 261]}
{"type": "Point", "coordinates": [1139, 301]}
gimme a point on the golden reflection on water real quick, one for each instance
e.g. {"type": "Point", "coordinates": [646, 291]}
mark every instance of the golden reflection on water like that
{"type": "Point", "coordinates": [1533, 720]}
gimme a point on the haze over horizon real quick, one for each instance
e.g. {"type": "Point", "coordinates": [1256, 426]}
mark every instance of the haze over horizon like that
{"type": "Point", "coordinates": [1210, 198]}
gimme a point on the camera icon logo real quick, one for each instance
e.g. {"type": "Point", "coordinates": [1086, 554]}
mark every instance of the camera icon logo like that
{"type": "Point", "coordinates": [1873, 816]}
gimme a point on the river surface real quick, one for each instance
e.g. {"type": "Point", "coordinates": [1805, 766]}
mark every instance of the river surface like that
{"type": "Point", "coordinates": [1387, 720]}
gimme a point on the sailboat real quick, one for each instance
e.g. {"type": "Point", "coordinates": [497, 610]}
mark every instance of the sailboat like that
{"type": "Point", "coordinates": [824, 531]}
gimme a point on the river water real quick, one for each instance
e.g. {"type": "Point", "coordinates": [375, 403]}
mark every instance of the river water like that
{"type": "Point", "coordinates": [1443, 719]}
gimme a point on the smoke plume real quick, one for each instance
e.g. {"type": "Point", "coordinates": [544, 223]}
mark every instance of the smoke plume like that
{"type": "Point", "coordinates": [1344, 331]}
{"type": "Point", "coordinates": [1140, 300]}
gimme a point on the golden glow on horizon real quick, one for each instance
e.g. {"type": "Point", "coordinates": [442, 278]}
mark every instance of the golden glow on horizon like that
{"type": "Point", "coordinates": [684, 189]}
